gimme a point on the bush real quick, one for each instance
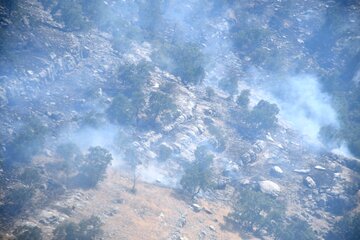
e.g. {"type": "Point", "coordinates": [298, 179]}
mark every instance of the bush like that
{"type": "Point", "coordinates": [297, 229]}
{"type": "Point", "coordinates": [10, 5]}
{"type": "Point", "coordinates": [243, 99]}
{"type": "Point", "coordinates": [229, 85]}
{"type": "Point", "coordinates": [15, 201]}
{"type": "Point", "coordinates": [183, 60]}
{"type": "Point", "coordinates": [198, 174]}
{"type": "Point", "coordinates": [256, 211]}
{"type": "Point", "coordinates": [348, 228]}
{"type": "Point", "coordinates": [158, 103]}
{"type": "Point", "coordinates": [87, 229]}
{"type": "Point", "coordinates": [27, 143]}
{"type": "Point", "coordinates": [94, 166]}
{"type": "Point", "coordinates": [30, 176]}
{"type": "Point", "coordinates": [122, 110]}
{"type": "Point", "coordinates": [27, 233]}
{"type": "Point", "coordinates": [263, 115]}
{"type": "Point", "coordinates": [71, 14]}
{"type": "Point", "coordinates": [164, 152]}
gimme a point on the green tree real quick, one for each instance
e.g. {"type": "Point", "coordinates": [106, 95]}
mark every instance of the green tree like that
{"type": "Point", "coordinates": [94, 166]}
{"type": "Point", "coordinates": [86, 229]}
{"type": "Point", "coordinates": [348, 228]}
{"type": "Point", "coordinates": [132, 158]}
{"type": "Point", "coordinates": [243, 99]}
{"type": "Point", "coordinates": [150, 17]}
{"type": "Point", "coordinates": [122, 110]}
{"type": "Point", "coordinates": [27, 143]}
{"type": "Point", "coordinates": [256, 210]}
{"type": "Point", "coordinates": [158, 103]}
{"type": "Point", "coordinates": [230, 85]}
{"type": "Point", "coordinates": [15, 201]}
{"type": "Point", "coordinates": [198, 173]}
{"type": "Point", "coordinates": [71, 14]}
{"type": "Point", "coordinates": [27, 233]}
{"type": "Point", "coordinates": [185, 60]}
{"type": "Point", "coordinates": [295, 230]}
{"type": "Point", "coordinates": [72, 158]}
{"type": "Point", "coordinates": [263, 115]}
{"type": "Point", "coordinates": [10, 5]}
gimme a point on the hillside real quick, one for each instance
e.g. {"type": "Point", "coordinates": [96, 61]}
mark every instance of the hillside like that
{"type": "Point", "coordinates": [179, 119]}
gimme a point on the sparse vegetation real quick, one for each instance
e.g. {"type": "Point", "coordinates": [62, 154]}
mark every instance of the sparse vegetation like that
{"type": "Point", "coordinates": [87, 229]}
{"type": "Point", "coordinates": [347, 228]}
{"type": "Point", "coordinates": [255, 211]}
{"type": "Point", "coordinates": [27, 143]}
{"type": "Point", "coordinates": [26, 232]}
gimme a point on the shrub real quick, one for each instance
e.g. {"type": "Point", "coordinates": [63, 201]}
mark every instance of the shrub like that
{"type": "Point", "coordinates": [122, 111]}
{"type": "Point", "coordinates": [295, 230]}
{"type": "Point", "coordinates": [230, 85]}
{"type": "Point", "coordinates": [158, 103]}
{"type": "Point", "coordinates": [183, 60]}
{"type": "Point", "coordinates": [198, 174]}
{"type": "Point", "coordinates": [27, 233]}
{"type": "Point", "coordinates": [164, 152]}
{"type": "Point", "coordinates": [27, 143]}
{"type": "Point", "coordinates": [30, 176]}
{"type": "Point", "coordinates": [94, 165]}
{"type": "Point", "coordinates": [71, 14]}
{"type": "Point", "coordinates": [243, 99]}
{"type": "Point", "coordinates": [263, 115]}
{"type": "Point", "coordinates": [347, 228]}
{"type": "Point", "coordinates": [15, 201]}
{"type": "Point", "coordinates": [87, 229]}
{"type": "Point", "coordinates": [256, 211]}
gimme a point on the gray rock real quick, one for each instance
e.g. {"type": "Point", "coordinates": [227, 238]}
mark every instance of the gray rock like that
{"type": "Point", "coordinates": [276, 171]}
{"type": "Point", "coordinates": [318, 167]}
{"type": "Point", "coordinates": [310, 182]}
{"type": "Point", "coordinates": [302, 171]}
{"type": "Point", "coordinates": [196, 207]}
{"type": "Point", "coordinates": [269, 187]}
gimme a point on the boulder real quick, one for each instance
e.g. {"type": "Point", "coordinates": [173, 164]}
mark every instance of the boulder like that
{"type": "Point", "coordinates": [269, 187]}
{"type": "Point", "coordinates": [310, 182]}
{"type": "Point", "coordinates": [276, 171]}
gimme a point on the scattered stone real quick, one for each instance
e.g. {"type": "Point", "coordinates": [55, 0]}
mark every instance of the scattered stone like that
{"type": "Point", "coordinates": [310, 182]}
{"type": "Point", "coordinates": [212, 228]}
{"type": "Point", "coordinates": [196, 207]}
{"type": "Point", "coordinates": [269, 187]}
{"type": "Point", "coordinates": [118, 201]}
{"type": "Point", "coordinates": [181, 222]}
{"type": "Point", "coordinates": [276, 171]}
{"type": "Point", "coordinates": [318, 167]}
{"type": "Point", "coordinates": [208, 211]}
{"type": "Point", "coordinates": [302, 171]}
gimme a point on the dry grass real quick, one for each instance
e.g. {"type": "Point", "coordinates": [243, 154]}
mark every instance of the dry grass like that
{"type": "Point", "coordinates": [152, 213]}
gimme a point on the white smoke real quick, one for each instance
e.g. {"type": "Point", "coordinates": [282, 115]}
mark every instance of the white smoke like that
{"type": "Point", "coordinates": [305, 105]}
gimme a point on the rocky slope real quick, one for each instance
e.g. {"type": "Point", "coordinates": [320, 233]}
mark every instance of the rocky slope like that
{"type": "Point", "coordinates": [64, 78]}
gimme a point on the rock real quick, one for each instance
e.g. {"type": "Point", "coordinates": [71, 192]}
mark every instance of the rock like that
{"type": "Point", "coordinates": [208, 211]}
{"type": "Point", "coordinates": [269, 187]}
{"type": "Point", "coordinates": [302, 171]}
{"type": "Point", "coordinates": [318, 167]}
{"type": "Point", "coordinates": [212, 228]}
{"type": "Point", "coordinates": [196, 207]}
{"type": "Point", "coordinates": [276, 171]}
{"type": "Point", "coordinates": [310, 182]}
{"type": "Point", "coordinates": [181, 222]}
